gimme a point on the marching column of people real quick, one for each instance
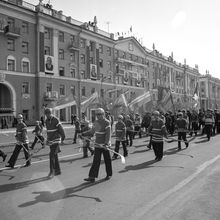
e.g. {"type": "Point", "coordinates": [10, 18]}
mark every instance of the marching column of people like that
{"type": "Point", "coordinates": [157, 125]}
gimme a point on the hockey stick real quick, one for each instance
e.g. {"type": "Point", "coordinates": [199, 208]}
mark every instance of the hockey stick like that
{"type": "Point", "coordinates": [28, 159]}
{"type": "Point", "coordinates": [42, 143]}
{"type": "Point", "coordinates": [107, 148]}
{"type": "Point", "coordinates": [169, 140]}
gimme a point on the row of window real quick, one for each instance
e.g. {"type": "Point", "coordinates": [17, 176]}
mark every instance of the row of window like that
{"type": "Point", "coordinates": [24, 26]}
{"type": "Point", "coordinates": [11, 64]}
{"type": "Point", "coordinates": [24, 46]}
{"type": "Point", "coordinates": [62, 89]}
{"type": "Point", "coordinates": [82, 44]}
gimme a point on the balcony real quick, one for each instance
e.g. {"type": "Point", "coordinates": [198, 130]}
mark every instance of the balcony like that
{"type": "Point", "coordinates": [74, 45]}
{"type": "Point", "coordinates": [6, 110]}
{"type": "Point", "coordinates": [11, 31]}
{"type": "Point", "coordinates": [51, 96]}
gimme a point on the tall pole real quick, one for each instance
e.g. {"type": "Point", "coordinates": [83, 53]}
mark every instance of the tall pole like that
{"type": "Point", "coordinates": [79, 79]}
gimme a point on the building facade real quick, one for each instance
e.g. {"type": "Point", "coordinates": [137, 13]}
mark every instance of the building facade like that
{"type": "Point", "coordinates": [48, 59]}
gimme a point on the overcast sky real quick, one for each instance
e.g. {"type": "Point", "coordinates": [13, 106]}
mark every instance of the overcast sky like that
{"type": "Point", "coordinates": [188, 28]}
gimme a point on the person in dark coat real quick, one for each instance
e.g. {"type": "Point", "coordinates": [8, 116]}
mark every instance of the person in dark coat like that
{"type": "Point", "coordinates": [76, 122]}
{"type": "Point", "coordinates": [55, 135]}
{"type": "Point", "coordinates": [22, 142]}
{"type": "Point", "coordinates": [102, 130]}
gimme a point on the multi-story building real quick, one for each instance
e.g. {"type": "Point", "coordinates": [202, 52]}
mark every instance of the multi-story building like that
{"type": "Point", "coordinates": [49, 59]}
{"type": "Point", "coordinates": [209, 92]}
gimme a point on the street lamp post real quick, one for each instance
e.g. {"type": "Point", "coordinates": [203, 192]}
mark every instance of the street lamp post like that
{"type": "Point", "coordinates": [79, 78]}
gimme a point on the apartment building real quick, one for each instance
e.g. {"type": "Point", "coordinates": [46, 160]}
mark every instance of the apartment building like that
{"type": "Point", "coordinates": [49, 59]}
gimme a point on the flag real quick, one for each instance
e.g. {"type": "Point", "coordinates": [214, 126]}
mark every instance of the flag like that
{"type": "Point", "coordinates": [65, 102]}
{"type": "Point", "coordinates": [165, 99]}
{"type": "Point", "coordinates": [121, 101]}
{"type": "Point", "coordinates": [92, 99]}
{"type": "Point", "coordinates": [196, 93]}
{"type": "Point", "coordinates": [140, 100]}
{"type": "Point", "coordinates": [196, 97]}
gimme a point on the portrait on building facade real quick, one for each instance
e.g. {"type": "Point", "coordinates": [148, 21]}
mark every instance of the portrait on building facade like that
{"type": "Point", "coordinates": [49, 67]}
{"type": "Point", "coordinates": [93, 71]}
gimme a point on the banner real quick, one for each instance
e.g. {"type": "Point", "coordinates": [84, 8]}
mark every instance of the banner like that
{"type": "Point", "coordinates": [140, 100]}
{"type": "Point", "coordinates": [92, 99]}
{"type": "Point", "coordinates": [126, 78]}
{"type": "Point", "coordinates": [165, 100]}
{"type": "Point", "coordinates": [49, 64]}
{"type": "Point", "coordinates": [93, 71]}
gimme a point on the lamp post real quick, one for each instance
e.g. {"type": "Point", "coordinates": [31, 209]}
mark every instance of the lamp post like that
{"type": "Point", "coordinates": [78, 78]}
{"type": "Point", "coordinates": [103, 78]}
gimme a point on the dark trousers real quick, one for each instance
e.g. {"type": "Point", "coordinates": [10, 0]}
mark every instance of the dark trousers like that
{"type": "Point", "coordinates": [208, 130]}
{"type": "Point", "coordinates": [16, 152]}
{"type": "Point", "coordinates": [36, 139]}
{"type": "Point", "coordinates": [54, 161]}
{"type": "Point", "coordinates": [75, 135]}
{"type": "Point", "coordinates": [129, 138]}
{"type": "Point", "coordinates": [124, 145]}
{"type": "Point", "coordinates": [94, 170]}
{"type": "Point", "coordinates": [150, 142]}
{"type": "Point", "coordinates": [218, 127]}
{"type": "Point", "coordinates": [195, 128]}
{"type": "Point", "coordinates": [86, 147]}
{"type": "Point", "coordinates": [137, 130]}
{"type": "Point", "coordinates": [182, 136]}
{"type": "Point", "coordinates": [2, 154]}
{"type": "Point", "coordinates": [158, 149]}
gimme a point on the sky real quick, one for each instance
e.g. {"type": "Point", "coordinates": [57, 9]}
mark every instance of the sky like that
{"type": "Point", "coordinates": [190, 29]}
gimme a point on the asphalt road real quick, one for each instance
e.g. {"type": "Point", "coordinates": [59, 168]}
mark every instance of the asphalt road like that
{"type": "Point", "coordinates": [184, 185]}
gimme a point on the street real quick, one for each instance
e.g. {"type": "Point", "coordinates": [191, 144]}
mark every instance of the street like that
{"type": "Point", "coordinates": [184, 185]}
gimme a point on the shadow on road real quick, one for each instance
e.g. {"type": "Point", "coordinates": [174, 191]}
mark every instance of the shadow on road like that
{"type": "Point", "coordinates": [202, 141]}
{"type": "Point", "coordinates": [47, 196]}
{"type": "Point", "coordinates": [138, 166]}
{"type": "Point", "coordinates": [141, 151]}
{"type": "Point", "coordinates": [71, 160]}
{"type": "Point", "coordinates": [176, 151]}
{"type": "Point", "coordinates": [20, 185]}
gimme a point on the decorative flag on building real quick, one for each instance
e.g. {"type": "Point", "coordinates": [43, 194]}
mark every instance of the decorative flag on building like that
{"type": "Point", "coordinates": [196, 93]}
{"type": "Point", "coordinates": [165, 99]}
{"type": "Point", "coordinates": [140, 101]}
{"type": "Point", "coordinates": [92, 99]}
{"type": "Point", "coordinates": [196, 96]}
{"type": "Point", "coordinates": [65, 102]}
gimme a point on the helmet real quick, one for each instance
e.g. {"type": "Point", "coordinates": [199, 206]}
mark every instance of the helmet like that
{"type": "Point", "coordinates": [156, 113]}
{"type": "Point", "coordinates": [120, 117]}
{"type": "Point", "coordinates": [100, 111]}
{"type": "Point", "coordinates": [48, 111]}
{"type": "Point", "coordinates": [20, 116]}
